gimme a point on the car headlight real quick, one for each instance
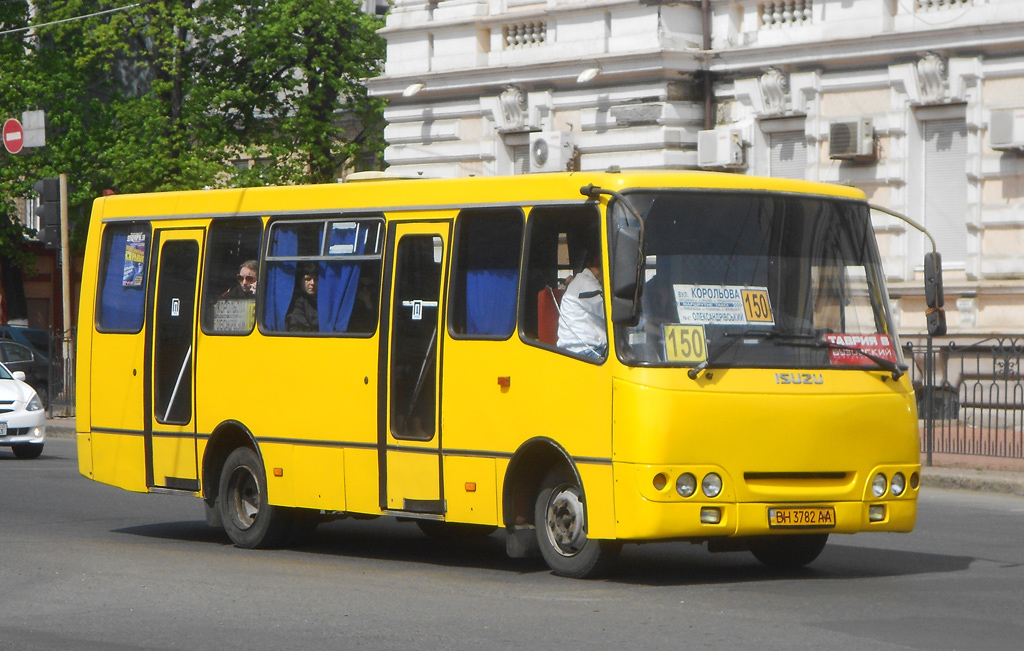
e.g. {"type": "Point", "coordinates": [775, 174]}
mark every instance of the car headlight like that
{"type": "Point", "coordinates": [35, 404]}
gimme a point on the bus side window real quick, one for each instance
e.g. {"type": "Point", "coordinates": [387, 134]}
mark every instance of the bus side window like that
{"type": "Point", "coordinates": [121, 304]}
{"type": "Point", "coordinates": [226, 308]}
{"type": "Point", "coordinates": [346, 254]}
{"type": "Point", "coordinates": [486, 278]}
{"type": "Point", "coordinates": [557, 241]}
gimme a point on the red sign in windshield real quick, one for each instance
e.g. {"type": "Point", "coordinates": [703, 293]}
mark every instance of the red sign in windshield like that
{"type": "Point", "coordinates": [875, 345]}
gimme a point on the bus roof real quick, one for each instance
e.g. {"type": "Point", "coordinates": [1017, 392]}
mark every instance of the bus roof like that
{"type": "Point", "coordinates": [434, 194]}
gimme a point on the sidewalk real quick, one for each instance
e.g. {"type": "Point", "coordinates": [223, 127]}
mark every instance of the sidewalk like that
{"type": "Point", "coordinates": [994, 475]}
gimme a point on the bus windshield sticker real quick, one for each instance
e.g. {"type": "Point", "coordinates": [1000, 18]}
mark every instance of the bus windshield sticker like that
{"type": "Point", "coordinates": [684, 343]}
{"type": "Point", "coordinates": [134, 259]}
{"type": "Point", "coordinates": [877, 345]}
{"type": "Point", "coordinates": [723, 304]}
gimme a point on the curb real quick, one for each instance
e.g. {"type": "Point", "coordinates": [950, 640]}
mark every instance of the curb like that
{"type": "Point", "coordinates": [1007, 483]}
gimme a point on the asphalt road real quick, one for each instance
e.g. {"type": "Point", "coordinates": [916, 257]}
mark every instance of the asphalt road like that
{"type": "Point", "coordinates": [88, 567]}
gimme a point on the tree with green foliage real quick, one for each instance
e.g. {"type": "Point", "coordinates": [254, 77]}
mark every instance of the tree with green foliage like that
{"type": "Point", "coordinates": [169, 95]}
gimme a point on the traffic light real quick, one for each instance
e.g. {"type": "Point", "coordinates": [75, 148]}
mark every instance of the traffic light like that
{"type": "Point", "coordinates": [48, 212]}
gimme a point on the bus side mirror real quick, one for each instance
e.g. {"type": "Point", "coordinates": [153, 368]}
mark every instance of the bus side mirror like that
{"type": "Point", "coordinates": [933, 296]}
{"type": "Point", "coordinates": [626, 271]}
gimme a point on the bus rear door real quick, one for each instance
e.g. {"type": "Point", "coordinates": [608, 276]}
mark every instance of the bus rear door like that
{"type": "Point", "coordinates": [170, 359]}
{"type": "Point", "coordinates": [410, 440]}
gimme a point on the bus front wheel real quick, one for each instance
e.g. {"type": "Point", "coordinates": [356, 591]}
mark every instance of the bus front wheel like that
{"type": "Point", "coordinates": [788, 552]}
{"type": "Point", "coordinates": [248, 518]}
{"type": "Point", "coordinates": [561, 521]}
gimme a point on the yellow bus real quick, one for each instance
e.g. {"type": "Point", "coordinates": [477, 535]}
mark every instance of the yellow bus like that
{"type": "Point", "coordinates": [407, 348]}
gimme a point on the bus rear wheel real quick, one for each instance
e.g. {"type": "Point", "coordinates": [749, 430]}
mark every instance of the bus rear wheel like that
{"type": "Point", "coordinates": [788, 552]}
{"type": "Point", "coordinates": [560, 517]}
{"type": "Point", "coordinates": [248, 518]}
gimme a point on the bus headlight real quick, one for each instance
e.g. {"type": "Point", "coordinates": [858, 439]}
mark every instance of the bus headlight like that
{"type": "Point", "coordinates": [686, 484]}
{"type": "Point", "coordinates": [899, 484]}
{"type": "Point", "coordinates": [712, 484]}
{"type": "Point", "coordinates": [878, 485]}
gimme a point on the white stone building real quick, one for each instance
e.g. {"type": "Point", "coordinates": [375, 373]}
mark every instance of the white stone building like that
{"type": "Point", "coordinates": [920, 103]}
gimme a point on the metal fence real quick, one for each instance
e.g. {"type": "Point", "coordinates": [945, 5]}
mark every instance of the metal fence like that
{"type": "Point", "coordinates": [970, 397]}
{"type": "Point", "coordinates": [61, 391]}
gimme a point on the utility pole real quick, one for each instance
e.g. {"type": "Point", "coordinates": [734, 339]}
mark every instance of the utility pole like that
{"type": "Point", "coordinates": [65, 259]}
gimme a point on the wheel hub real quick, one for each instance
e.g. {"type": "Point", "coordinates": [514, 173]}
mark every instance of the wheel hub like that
{"type": "Point", "coordinates": [565, 521]}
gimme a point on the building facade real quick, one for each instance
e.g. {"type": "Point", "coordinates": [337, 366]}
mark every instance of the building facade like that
{"type": "Point", "coordinates": [920, 103]}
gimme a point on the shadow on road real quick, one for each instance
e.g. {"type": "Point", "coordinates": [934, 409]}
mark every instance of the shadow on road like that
{"type": "Point", "coordinates": [654, 564]}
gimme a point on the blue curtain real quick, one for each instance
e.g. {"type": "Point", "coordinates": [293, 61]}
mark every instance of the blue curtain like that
{"type": "Point", "coordinates": [122, 308]}
{"type": "Point", "coordinates": [280, 277]}
{"type": "Point", "coordinates": [339, 281]}
{"type": "Point", "coordinates": [491, 301]}
{"type": "Point", "coordinates": [492, 274]}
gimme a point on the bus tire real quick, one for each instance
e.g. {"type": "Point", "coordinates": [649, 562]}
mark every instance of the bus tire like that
{"type": "Point", "coordinates": [560, 517]}
{"type": "Point", "coordinates": [249, 519]}
{"type": "Point", "coordinates": [788, 552]}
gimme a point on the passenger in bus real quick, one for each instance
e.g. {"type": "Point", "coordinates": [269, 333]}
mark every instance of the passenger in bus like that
{"type": "Point", "coordinates": [302, 313]}
{"type": "Point", "coordinates": [581, 325]}
{"type": "Point", "coordinates": [248, 274]}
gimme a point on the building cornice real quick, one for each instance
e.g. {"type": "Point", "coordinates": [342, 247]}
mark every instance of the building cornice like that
{"type": "Point", "coordinates": [989, 40]}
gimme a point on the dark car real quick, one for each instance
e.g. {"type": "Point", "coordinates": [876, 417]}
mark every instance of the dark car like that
{"type": "Point", "coordinates": [35, 338]}
{"type": "Point", "coordinates": [36, 367]}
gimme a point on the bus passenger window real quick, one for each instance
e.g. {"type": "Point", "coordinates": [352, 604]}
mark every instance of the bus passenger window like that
{"type": "Point", "coordinates": [485, 284]}
{"type": "Point", "coordinates": [562, 242]}
{"type": "Point", "coordinates": [346, 256]}
{"type": "Point", "coordinates": [121, 306]}
{"type": "Point", "coordinates": [231, 277]}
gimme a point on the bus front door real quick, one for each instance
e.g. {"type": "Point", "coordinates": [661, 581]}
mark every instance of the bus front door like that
{"type": "Point", "coordinates": [410, 440]}
{"type": "Point", "coordinates": [170, 354]}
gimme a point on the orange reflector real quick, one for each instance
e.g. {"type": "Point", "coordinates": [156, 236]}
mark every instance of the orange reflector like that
{"type": "Point", "coordinates": [504, 381]}
{"type": "Point", "coordinates": [470, 486]}
{"type": "Point", "coordinates": [279, 472]}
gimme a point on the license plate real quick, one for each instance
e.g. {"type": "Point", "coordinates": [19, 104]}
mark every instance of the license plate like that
{"type": "Point", "coordinates": [3, 428]}
{"type": "Point", "coordinates": [801, 516]}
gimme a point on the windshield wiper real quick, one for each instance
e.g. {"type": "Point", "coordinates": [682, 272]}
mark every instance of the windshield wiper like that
{"type": "Point", "coordinates": [886, 364]}
{"type": "Point", "coordinates": [733, 337]}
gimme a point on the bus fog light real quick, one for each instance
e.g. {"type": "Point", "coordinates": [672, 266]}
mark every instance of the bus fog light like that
{"type": "Point", "coordinates": [712, 484]}
{"type": "Point", "coordinates": [876, 513]}
{"type": "Point", "coordinates": [899, 484]}
{"type": "Point", "coordinates": [660, 481]}
{"type": "Point", "coordinates": [878, 485]}
{"type": "Point", "coordinates": [710, 515]}
{"type": "Point", "coordinates": [686, 485]}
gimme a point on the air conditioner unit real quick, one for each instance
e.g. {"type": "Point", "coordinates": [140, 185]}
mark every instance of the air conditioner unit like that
{"type": "Point", "coordinates": [551, 151]}
{"type": "Point", "coordinates": [1006, 129]}
{"type": "Point", "coordinates": [851, 140]}
{"type": "Point", "coordinates": [721, 147]}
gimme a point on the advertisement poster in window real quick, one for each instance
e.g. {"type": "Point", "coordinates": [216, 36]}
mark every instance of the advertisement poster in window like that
{"type": "Point", "coordinates": [134, 258]}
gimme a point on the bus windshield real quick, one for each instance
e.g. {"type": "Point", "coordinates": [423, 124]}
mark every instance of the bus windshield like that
{"type": "Point", "coordinates": [758, 281]}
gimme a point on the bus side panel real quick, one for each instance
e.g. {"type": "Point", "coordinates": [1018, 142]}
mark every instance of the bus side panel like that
{"type": "Point", "coordinates": [117, 372]}
{"type": "Point", "coordinates": [362, 493]}
{"type": "Point", "coordinates": [322, 485]}
{"type": "Point", "coordinates": [318, 393]}
{"type": "Point", "coordinates": [83, 356]}
{"type": "Point", "coordinates": [497, 395]}
{"type": "Point", "coordinates": [119, 460]}
{"type": "Point", "coordinates": [470, 490]}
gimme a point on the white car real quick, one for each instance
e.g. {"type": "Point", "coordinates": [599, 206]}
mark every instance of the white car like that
{"type": "Point", "coordinates": [22, 418]}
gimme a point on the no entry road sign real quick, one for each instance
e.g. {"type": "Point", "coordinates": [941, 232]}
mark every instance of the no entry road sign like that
{"type": "Point", "coordinates": [14, 136]}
